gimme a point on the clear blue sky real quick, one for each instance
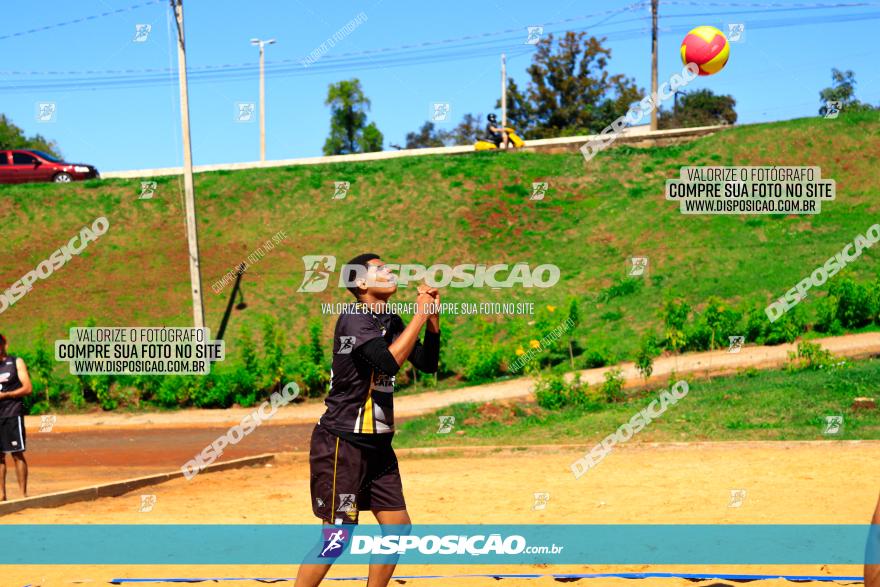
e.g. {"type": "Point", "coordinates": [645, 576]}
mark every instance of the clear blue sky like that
{"type": "Point", "coordinates": [776, 73]}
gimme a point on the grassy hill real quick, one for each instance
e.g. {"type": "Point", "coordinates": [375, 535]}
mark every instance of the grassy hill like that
{"type": "Point", "coordinates": [781, 404]}
{"type": "Point", "coordinates": [448, 209]}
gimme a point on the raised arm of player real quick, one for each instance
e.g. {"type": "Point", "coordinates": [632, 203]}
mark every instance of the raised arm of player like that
{"type": "Point", "coordinates": [433, 319]}
{"type": "Point", "coordinates": [402, 347]}
{"type": "Point", "coordinates": [26, 386]}
{"type": "Point", "coordinates": [426, 357]}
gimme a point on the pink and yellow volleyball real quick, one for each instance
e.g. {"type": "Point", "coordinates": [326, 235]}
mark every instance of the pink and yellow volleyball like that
{"type": "Point", "coordinates": [707, 47]}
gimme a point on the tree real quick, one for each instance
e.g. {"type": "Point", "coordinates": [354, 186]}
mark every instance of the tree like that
{"type": "Point", "coordinates": [427, 136]}
{"type": "Point", "coordinates": [648, 349]}
{"type": "Point", "coordinates": [468, 130]}
{"type": "Point", "coordinates": [465, 133]}
{"type": "Point", "coordinates": [700, 108]}
{"type": "Point", "coordinates": [372, 138]}
{"type": "Point", "coordinates": [570, 92]}
{"type": "Point", "coordinates": [13, 137]}
{"type": "Point", "coordinates": [349, 132]}
{"type": "Point", "coordinates": [520, 113]}
{"type": "Point", "coordinates": [842, 90]}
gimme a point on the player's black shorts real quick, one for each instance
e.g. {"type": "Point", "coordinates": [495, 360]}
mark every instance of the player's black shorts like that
{"type": "Point", "coordinates": [346, 479]}
{"type": "Point", "coordinates": [12, 435]}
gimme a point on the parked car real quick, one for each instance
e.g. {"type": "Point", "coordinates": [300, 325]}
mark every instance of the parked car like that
{"type": "Point", "coordinates": [26, 165]}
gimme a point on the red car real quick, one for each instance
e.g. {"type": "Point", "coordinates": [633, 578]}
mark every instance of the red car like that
{"type": "Point", "coordinates": [26, 165]}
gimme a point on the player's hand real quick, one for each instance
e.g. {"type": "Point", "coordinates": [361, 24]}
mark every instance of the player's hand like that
{"type": "Point", "coordinates": [425, 304]}
{"type": "Point", "coordinates": [431, 291]}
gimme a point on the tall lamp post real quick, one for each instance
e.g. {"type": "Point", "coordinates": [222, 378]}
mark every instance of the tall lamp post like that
{"type": "Point", "coordinates": [260, 43]}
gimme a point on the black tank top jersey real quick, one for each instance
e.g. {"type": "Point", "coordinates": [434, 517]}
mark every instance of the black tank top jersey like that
{"type": "Point", "coordinates": [9, 381]}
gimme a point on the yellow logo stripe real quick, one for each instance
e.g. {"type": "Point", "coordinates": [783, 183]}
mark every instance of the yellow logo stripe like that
{"type": "Point", "coordinates": [333, 498]}
{"type": "Point", "coordinates": [368, 426]}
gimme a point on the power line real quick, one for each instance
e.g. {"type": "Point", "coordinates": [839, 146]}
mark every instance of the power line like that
{"type": "Point", "coordinates": [49, 27]}
{"type": "Point", "coordinates": [343, 59]}
{"type": "Point", "coordinates": [137, 81]}
{"type": "Point", "coordinates": [768, 4]}
{"type": "Point", "coordinates": [481, 38]}
{"type": "Point", "coordinates": [363, 61]}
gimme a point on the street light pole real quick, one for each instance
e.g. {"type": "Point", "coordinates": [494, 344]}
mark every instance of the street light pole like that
{"type": "Point", "coordinates": [260, 43]}
{"type": "Point", "coordinates": [503, 90]}
{"type": "Point", "coordinates": [654, 4]}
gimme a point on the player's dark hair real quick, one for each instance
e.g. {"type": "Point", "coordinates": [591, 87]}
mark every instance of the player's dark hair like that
{"type": "Point", "coordinates": [2, 339]}
{"type": "Point", "coordinates": [351, 273]}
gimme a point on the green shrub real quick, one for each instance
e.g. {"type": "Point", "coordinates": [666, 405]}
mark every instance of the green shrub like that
{"type": "Point", "coordinates": [316, 350]}
{"type": "Point", "coordinates": [813, 357]}
{"type": "Point", "coordinates": [697, 336]}
{"type": "Point", "coordinates": [856, 303]}
{"type": "Point", "coordinates": [311, 378]}
{"type": "Point", "coordinates": [482, 362]}
{"type": "Point", "coordinates": [103, 386]}
{"type": "Point", "coordinates": [826, 316]}
{"type": "Point", "coordinates": [169, 394]}
{"type": "Point", "coordinates": [146, 386]}
{"type": "Point", "coordinates": [612, 388]}
{"type": "Point", "coordinates": [551, 392]}
{"type": "Point", "coordinates": [41, 365]}
{"type": "Point", "coordinates": [621, 287]}
{"type": "Point", "coordinates": [707, 330]}
{"type": "Point", "coordinates": [648, 349]}
{"type": "Point", "coordinates": [249, 351]}
{"type": "Point", "coordinates": [657, 280]}
{"type": "Point", "coordinates": [785, 329]}
{"type": "Point", "coordinates": [246, 399]}
{"type": "Point", "coordinates": [594, 359]}
{"type": "Point", "coordinates": [756, 320]}
{"type": "Point", "coordinates": [675, 315]}
{"type": "Point", "coordinates": [37, 408]}
{"type": "Point", "coordinates": [552, 351]}
{"type": "Point", "coordinates": [517, 189]}
{"type": "Point", "coordinates": [212, 392]}
{"type": "Point", "coordinates": [579, 395]}
{"type": "Point", "coordinates": [722, 323]}
{"type": "Point", "coordinates": [271, 367]}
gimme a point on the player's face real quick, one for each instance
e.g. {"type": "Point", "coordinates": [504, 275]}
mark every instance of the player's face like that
{"type": "Point", "coordinates": [380, 281]}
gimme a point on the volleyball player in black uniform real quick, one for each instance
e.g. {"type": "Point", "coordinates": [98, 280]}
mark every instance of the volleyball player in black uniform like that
{"type": "Point", "coordinates": [353, 466]}
{"type": "Point", "coordinates": [15, 383]}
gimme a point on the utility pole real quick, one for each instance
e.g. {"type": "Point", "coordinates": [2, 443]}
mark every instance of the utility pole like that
{"type": "Point", "coordinates": [192, 234]}
{"type": "Point", "coordinates": [503, 91]}
{"type": "Point", "coordinates": [654, 63]}
{"type": "Point", "coordinates": [261, 44]}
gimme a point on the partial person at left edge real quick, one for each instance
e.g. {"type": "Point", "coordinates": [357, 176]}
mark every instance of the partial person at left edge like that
{"type": "Point", "coordinates": [872, 551]}
{"type": "Point", "coordinates": [15, 383]}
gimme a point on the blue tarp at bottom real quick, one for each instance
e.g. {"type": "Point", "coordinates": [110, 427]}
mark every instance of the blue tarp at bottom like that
{"type": "Point", "coordinates": [695, 576]}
